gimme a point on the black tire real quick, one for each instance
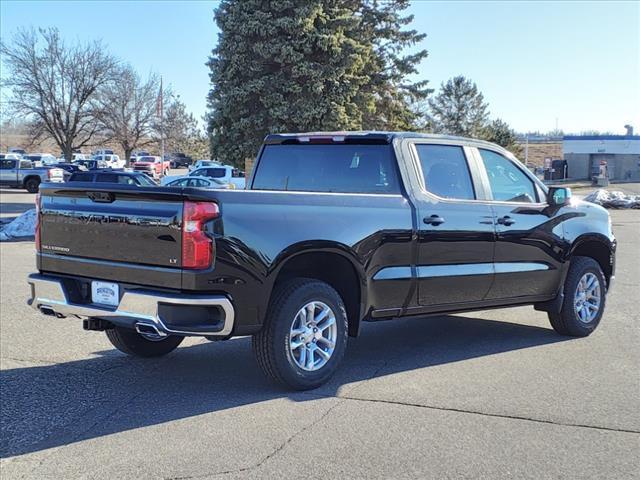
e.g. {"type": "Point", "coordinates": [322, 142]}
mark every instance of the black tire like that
{"type": "Point", "coordinates": [271, 344]}
{"type": "Point", "coordinates": [567, 322]}
{"type": "Point", "coordinates": [32, 185]}
{"type": "Point", "coordinates": [132, 343]}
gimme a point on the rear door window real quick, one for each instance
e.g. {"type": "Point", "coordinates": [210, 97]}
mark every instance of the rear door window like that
{"type": "Point", "coordinates": [126, 180]}
{"type": "Point", "coordinates": [107, 178]}
{"type": "Point", "coordinates": [8, 164]}
{"type": "Point", "coordinates": [82, 177]}
{"type": "Point", "coordinates": [216, 172]}
{"type": "Point", "coordinates": [445, 170]}
{"type": "Point", "coordinates": [344, 168]}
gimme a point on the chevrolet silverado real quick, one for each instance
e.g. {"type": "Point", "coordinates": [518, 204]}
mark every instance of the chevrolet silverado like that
{"type": "Point", "coordinates": [334, 229]}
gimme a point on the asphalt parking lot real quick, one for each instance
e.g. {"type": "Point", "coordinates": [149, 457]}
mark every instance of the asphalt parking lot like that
{"type": "Point", "coordinates": [492, 394]}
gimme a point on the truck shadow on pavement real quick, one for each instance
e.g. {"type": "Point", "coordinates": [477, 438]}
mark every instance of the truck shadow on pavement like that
{"type": "Point", "coordinates": [55, 405]}
{"type": "Point", "coordinates": [16, 208]}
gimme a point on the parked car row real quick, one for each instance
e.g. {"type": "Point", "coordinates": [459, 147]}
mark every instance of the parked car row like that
{"type": "Point", "coordinates": [28, 170]}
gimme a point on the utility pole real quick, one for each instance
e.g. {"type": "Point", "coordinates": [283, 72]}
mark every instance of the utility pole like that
{"type": "Point", "coordinates": [161, 121]}
{"type": "Point", "coordinates": [526, 149]}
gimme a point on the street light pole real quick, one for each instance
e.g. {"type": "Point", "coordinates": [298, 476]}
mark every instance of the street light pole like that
{"type": "Point", "coordinates": [161, 122]}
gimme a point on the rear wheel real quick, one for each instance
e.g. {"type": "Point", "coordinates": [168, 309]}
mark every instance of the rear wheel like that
{"type": "Point", "coordinates": [584, 299]}
{"type": "Point", "coordinates": [32, 185]}
{"type": "Point", "coordinates": [305, 335]}
{"type": "Point", "coordinates": [132, 343]}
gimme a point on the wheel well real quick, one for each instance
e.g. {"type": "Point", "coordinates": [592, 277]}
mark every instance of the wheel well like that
{"type": "Point", "coordinates": [333, 269]}
{"type": "Point", "coordinates": [600, 252]}
{"type": "Point", "coordinates": [30, 177]}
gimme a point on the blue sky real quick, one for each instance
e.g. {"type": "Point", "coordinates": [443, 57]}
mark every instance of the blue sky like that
{"type": "Point", "coordinates": [577, 63]}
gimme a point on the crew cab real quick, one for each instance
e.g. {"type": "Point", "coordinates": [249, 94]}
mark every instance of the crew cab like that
{"type": "Point", "coordinates": [153, 166]}
{"type": "Point", "coordinates": [20, 173]}
{"type": "Point", "coordinates": [333, 230]}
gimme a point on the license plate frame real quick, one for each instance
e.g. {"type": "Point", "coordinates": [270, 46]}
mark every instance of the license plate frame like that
{"type": "Point", "coordinates": [105, 293]}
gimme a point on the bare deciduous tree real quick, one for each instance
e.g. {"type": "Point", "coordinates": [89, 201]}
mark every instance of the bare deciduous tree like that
{"type": "Point", "coordinates": [53, 85]}
{"type": "Point", "coordinates": [127, 110]}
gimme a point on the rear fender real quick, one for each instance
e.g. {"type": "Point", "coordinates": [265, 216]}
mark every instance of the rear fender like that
{"type": "Point", "coordinates": [321, 246]}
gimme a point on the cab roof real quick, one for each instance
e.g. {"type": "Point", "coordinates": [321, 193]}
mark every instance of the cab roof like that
{"type": "Point", "coordinates": [374, 137]}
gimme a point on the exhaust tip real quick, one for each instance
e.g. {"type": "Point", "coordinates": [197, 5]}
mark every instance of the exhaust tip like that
{"type": "Point", "coordinates": [149, 329]}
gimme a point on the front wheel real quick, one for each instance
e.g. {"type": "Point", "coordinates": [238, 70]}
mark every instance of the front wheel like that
{"type": "Point", "coordinates": [584, 299]}
{"type": "Point", "coordinates": [305, 334]}
{"type": "Point", "coordinates": [132, 343]}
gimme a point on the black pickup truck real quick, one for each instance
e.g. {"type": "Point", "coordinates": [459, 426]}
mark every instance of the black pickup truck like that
{"type": "Point", "coordinates": [333, 229]}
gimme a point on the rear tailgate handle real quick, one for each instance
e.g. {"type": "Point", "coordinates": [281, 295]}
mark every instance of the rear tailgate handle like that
{"type": "Point", "coordinates": [101, 197]}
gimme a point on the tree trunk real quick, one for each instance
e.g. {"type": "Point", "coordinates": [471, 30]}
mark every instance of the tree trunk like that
{"type": "Point", "coordinates": [68, 152]}
{"type": "Point", "coordinates": [127, 156]}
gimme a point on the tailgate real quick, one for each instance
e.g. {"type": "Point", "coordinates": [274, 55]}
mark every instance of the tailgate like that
{"type": "Point", "coordinates": [115, 224]}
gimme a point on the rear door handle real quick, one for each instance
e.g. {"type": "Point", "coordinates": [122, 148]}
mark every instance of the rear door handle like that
{"type": "Point", "coordinates": [506, 220]}
{"type": "Point", "coordinates": [434, 220]}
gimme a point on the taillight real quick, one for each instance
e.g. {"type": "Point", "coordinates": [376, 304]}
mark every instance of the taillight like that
{"type": "Point", "coordinates": [37, 232]}
{"type": "Point", "coordinates": [197, 247]}
{"type": "Point", "coordinates": [48, 173]}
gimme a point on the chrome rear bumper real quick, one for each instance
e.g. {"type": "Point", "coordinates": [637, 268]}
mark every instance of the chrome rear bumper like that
{"type": "Point", "coordinates": [137, 309]}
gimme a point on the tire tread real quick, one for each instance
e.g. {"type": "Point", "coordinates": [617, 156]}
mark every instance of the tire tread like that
{"type": "Point", "coordinates": [564, 321]}
{"type": "Point", "coordinates": [264, 341]}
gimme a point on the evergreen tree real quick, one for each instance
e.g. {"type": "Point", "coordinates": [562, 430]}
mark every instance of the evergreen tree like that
{"type": "Point", "coordinates": [283, 65]}
{"type": "Point", "coordinates": [181, 130]}
{"type": "Point", "coordinates": [389, 100]}
{"type": "Point", "coordinates": [499, 132]}
{"type": "Point", "coordinates": [459, 109]}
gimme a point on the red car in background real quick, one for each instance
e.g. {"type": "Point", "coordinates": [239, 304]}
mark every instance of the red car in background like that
{"type": "Point", "coordinates": [153, 166]}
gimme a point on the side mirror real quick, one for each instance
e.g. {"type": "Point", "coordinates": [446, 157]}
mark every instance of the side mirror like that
{"type": "Point", "coordinates": [558, 196]}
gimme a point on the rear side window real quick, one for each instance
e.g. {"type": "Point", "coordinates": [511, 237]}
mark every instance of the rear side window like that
{"type": "Point", "coordinates": [343, 168]}
{"type": "Point", "coordinates": [81, 177]}
{"type": "Point", "coordinates": [26, 164]}
{"type": "Point", "coordinates": [106, 178]}
{"type": "Point", "coordinates": [508, 183]}
{"type": "Point", "coordinates": [445, 170]}
{"type": "Point", "coordinates": [215, 172]}
{"type": "Point", "coordinates": [126, 180]}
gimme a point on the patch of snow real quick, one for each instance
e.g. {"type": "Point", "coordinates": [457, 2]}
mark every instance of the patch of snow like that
{"type": "Point", "coordinates": [613, 199]}
{"type": "Point", "coordinates": [23, 226]}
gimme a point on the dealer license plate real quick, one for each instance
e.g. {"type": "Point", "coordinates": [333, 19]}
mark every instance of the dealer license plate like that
{"type": "Point", "coordinates": [105, 293]}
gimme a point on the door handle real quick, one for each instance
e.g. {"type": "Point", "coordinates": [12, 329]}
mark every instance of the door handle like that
{"type": "Point", "coordinates": [434, 220]}
{"type": "Point", "coordinates": [506, 221]}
